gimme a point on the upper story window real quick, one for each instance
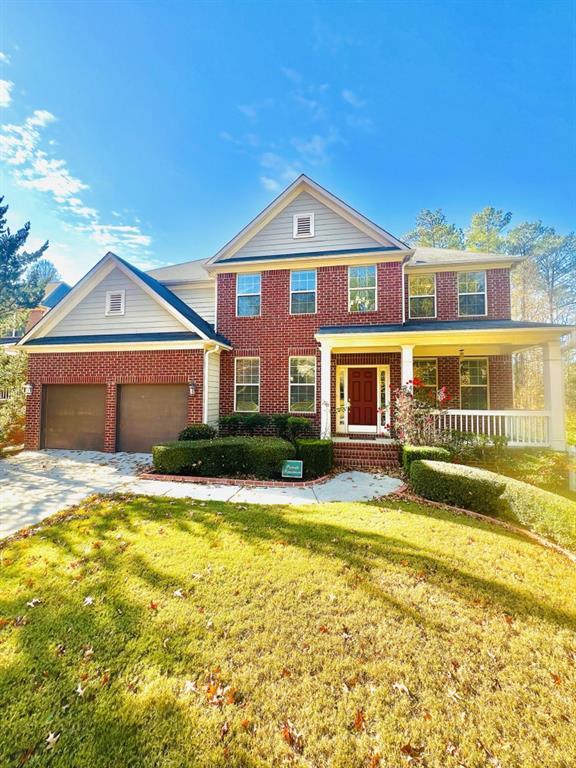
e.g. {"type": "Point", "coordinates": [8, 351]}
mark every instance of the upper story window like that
{"type": "Point", "coordinates": [302, 384]}
{"type": "Point", "coordinates": [247, 384]}
{"type": "Point", "coordinates": [474, 384]}
{"type": "Point", "coordinates": [303, 225]}
{"type": "Point", "coordinates": [303, 292]}
{"type": "Point", "coordinates": [422, 296]}
{"type": "Point", "coordinates": [362, 289]}
{"type": "Point", "coordinates": [248, 293]}
{"type": "Point", "coordinates": [115, 302]}
{"type": "Point", "coordinates": [471, 293]}
{"type": "Point", "coordinates": [426, 370]}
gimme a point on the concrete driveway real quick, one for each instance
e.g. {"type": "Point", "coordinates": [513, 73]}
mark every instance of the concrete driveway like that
{"type": "Point", "coordinates": [36, 484]}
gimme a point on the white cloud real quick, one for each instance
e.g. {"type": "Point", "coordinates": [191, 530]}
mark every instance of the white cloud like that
{"type": "Point", "coordinates": [270, 184]}
{"type": "Point", "coordinates": [351, 98]}
{"type": "Point", "coordinates": [249, 111]}
{"type": "Point", "coordinates": [49, 175]}
{"type": "Point", "coordinates": [315, 149]}
{"type": "Point", "coordinates": [4, 58]}
{"type": "Point", "coordinates": [5, 92]}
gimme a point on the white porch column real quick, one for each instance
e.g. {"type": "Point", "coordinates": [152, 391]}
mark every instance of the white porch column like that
{"type": "Point", "coordinates": [407, 364]}
{"type": "Point", "coordinates": [554, 394]}
{"type": "Point", "coordinates": [325, 389]}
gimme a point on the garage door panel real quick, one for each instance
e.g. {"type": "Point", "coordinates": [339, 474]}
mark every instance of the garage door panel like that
{"type": "Point", "coordinates": [73, 417]}
{"type": "Point", "coordinates": [149, 414]}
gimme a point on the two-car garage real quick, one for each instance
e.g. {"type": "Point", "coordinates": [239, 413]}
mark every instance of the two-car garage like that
{"type": "Point", "coordinates": [74, 415]}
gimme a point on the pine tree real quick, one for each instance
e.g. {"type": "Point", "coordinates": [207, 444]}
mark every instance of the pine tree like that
{"type": "Point", "coordinates": [433, 231]}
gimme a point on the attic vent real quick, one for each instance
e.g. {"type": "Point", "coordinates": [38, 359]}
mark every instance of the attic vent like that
{"type": "Point", "coordinates": [303, 225]}
{"type": "Point", "coordinates": [115, 302]}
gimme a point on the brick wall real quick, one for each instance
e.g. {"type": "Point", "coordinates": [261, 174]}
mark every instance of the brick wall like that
{"type": "Point", "coordinates": [111, 369]}
{"type": "Point", "coordinates": [498, 296]}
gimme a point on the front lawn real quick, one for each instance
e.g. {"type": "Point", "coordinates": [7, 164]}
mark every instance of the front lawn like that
{"type": "Point", "coordinates": [169, 633]}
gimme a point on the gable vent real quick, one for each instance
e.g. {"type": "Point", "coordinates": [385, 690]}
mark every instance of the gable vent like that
{"type": "Point", "coordinates": [115, 302]}
{"type": "Point", "coordinates": [304, 225]}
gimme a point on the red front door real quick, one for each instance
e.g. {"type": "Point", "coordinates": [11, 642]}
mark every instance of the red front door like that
{"type": "Point", "coordinates": [362, 396]}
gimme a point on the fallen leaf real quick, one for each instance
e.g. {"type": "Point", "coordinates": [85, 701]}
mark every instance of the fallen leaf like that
{"type": "Point", "coordinates": [224, 730]}
{"type": "Point", "coordinates": [375, 760]}
{"type": "Point", "coordinates": [88, 600]}
{"type": "Point", "coordinates": [179, 593]}
{"type": "Point", "coordinates": [79, 690]}
{"type": "Point", "coordinates": [34, 602]}
{"type": "Point", "coordinates": [360, 720]}
{"type": "Point", "coordinates": [246, 724]}
{"type": "Point", "coordinates": [451, 749]}
{"type": "Point", "coordinates": [285, 672]}
{"type": "Point", "coordinates": [324, 629]}
{"type": "Point", "coordinates": [293, 737]}
{"type": "Point", "coordinates": [153, 605]}
{"type": "Point", "coordinates": [557, 680]}
{"type": "Point", "coordinates": [415, 753]}
{"type": "Point", "coordinates": [51, 740]}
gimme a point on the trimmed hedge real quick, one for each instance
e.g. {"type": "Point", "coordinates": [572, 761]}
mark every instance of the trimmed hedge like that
{"type": "Point", "coordinates": [197, 432]}
{"type": "Point", "coordinates": [412, 453]}
{"type": "Point", "coordinates": [259, 457]}
{"type": "Point", "coordinates": [317, 455]}
{"type": "Point", "coordinates": [489, 493]}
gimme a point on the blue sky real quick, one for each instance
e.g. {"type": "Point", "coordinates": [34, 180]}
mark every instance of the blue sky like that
{"type": "Point", "coordinates": [158, 129]}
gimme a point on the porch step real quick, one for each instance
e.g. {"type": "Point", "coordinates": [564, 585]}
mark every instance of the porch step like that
{"type": "Point", "coordinates": [365, 455]}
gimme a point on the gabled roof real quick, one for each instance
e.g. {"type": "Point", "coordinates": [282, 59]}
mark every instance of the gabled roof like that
{"type": "Point", "coordinates": [305, 184]}
{"type": "Point", "coordinates": [54, 292]}
{"type": "Point", "coordinates": [188, 271]}
{"type": "Point", "coordinates": [189, 318]}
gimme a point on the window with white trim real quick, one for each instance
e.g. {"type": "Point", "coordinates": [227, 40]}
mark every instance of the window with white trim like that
{"type": "Point", "coordinates": [247, 384]}
{"type": "Point", "coordinates": [426, 372]}
{"type": "Point", "coordinates": [303, 225]}
{"type": "Point", "coordinates": [115, 303]}
{"type": "Point", "coordinates": [471, 293]}
{"type": "Point", "coordinates": [422, 295]}
{"type": "Point", "coordinates": [362, 289]}
{"type": "Point", "coordinates": [303, 292]}
{"type": "Point", "coordinates": [474, 384]}
{"type": "Point", "coordinates": [302, 385]}
{"type": "Point", "coordinates": [248, 294]}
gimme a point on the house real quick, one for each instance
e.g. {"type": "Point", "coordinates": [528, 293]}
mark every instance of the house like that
{"type": "Point", "coordinates": [54, 291]}
{"type": "Point", "coordinates": [311, 308]}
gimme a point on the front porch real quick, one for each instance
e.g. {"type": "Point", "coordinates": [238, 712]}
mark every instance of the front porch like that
{"type": "Point", "coordinates": [361, 367]}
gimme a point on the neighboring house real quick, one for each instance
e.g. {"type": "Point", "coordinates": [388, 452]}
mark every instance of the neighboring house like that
{"type": "Point", "coordinates": [311, 308]}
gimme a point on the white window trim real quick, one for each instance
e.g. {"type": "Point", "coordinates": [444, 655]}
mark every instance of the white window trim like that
{"type": "Point", "coordinates": [342, 405]}
{"type": "Point", "coordinates": [375, 289]}
{"type": "Point", "coordinates": [298, 314]}
{"type": "Point", "coordinates": [295, 218]}
{"type": "Point", "coordinates": [259, 293]}
{"type": "Point", "coordinates": [475, 293]}
{"type": "Point", "coordinates": [107, 311]}
{"type": "Point", "coordinates": [428, 360]}
{"type": "Point", "coordinates": [248, 357]}
{"type": "Point", "coordinates": [479, 386]}
{"type": "Point", "coordinates": [311, 357]}
{"type": "Point", "coordinates": [422, 296]}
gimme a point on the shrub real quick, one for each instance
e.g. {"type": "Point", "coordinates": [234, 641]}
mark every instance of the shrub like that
{"type": "Point", "coordinates": [280, 421]}
{"type": "Point", "coordinates": [253, 422]}
{"type": "Point", "coordinates": [545, 513]}
{"type": "Point", "coordinates": [297, 425]}
{"type": "Point", "coordinates": [231, 423]}
{"type": "Point", "coordinates": [457, 485]}
{"type": "Point", "coordinates": [412, 453]}
{"type": "Point", "coordinates": [260, 457]}
{"type": "Point", "coordinates": [197, 432]}
{"type": "Point", "coordinates": [317, 456]}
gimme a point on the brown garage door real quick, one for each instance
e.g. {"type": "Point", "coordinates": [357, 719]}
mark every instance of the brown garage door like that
{"type": "Point", "coordinates": [73, 416]}
{"type": "Point", "coordinates": [149, 414]}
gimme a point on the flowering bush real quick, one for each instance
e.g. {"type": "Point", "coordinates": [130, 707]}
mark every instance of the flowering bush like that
{"type": "Point", "coordinates": [414, 414]}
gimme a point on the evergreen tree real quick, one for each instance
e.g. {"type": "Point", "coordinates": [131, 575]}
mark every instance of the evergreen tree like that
{"type": "Point", "coordinates": [486, 230]}
{"type": "Point", "coordinates": [16, 290]}
{"type": "Point", "coordinates": [433, 231]}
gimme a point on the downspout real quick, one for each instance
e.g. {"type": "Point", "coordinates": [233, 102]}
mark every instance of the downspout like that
{"type": "Point", "coordinates": [403, 296]}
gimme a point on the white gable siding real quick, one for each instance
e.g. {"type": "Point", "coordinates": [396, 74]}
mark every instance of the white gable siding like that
{"type": "Point", "coordinates": [331, 232]}
{"type": "Point", "coordinates": [213, 388]}
{"type": "Point", "coordinates": [202, 299]}
{"type": "Point", "coordinates": [142, 314]}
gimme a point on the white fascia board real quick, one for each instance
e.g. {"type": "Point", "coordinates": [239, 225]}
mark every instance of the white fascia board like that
{"type": "Point", "coordinates": [303, 183]}
{"type": "Point", "coordinates": [114, 346]}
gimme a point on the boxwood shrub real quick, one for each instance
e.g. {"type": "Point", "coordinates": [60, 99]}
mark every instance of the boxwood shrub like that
{"type": "Point", "coordinates": [259, 457]}
{"type": "Point", "coordinates": [412, 453]}
{"type": "Point", "coordinates": [197, 432]}
{"type": "Point", "coordinates": [482, 491]}
{"type": "Point", "coordinates": [317, 456]}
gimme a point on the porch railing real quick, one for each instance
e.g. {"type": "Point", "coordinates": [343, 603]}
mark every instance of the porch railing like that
{"type": "Point", "coordinates": [521, 428]}
{"type": "Point", "coordinates": [4, 395]}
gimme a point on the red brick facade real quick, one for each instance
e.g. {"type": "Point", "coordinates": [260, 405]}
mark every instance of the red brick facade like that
{"type": "Point", "coordinates": [111, 369]}
{"type": "Point", "coordinates": [498, 297]}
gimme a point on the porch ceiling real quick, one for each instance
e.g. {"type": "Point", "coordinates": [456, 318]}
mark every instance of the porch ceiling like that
{"type": "Point", "coordinates": [475, 337]}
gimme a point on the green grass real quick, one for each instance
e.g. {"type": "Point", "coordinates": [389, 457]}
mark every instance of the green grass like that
{"type": "Point", "coordinates": [380, 631]}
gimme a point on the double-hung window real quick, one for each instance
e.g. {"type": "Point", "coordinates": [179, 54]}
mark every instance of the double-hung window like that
{"type": "Point", "coordinates": [248, 294]}
{"type": "Point", "coordinates": [426, 371]}
{"type": "Point", "coordinates": [474, 384]}
{"type": "Point", "coordinates": [471, 293]}
{"type": "Point", "coordinates": [247, 384]}
{"type": "Point", "coordinates": [362, 289]}
{"type": "Point", "coordinates": [302, 385]}
{"type": "Point", "coordinates": [422, 296]}
{"type": "Point", "coordinates": [303, 292]}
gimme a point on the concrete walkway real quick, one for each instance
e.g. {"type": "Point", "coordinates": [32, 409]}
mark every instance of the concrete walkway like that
{"type": "Point", "coordinates": [36, 484]}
